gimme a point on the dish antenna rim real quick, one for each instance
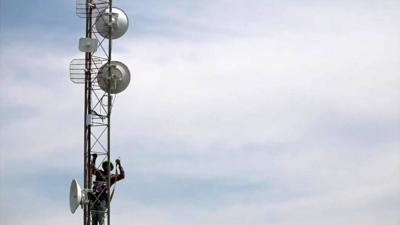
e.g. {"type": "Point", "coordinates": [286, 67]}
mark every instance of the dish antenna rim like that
{"type": "Point", "coordinates": [75, 196]}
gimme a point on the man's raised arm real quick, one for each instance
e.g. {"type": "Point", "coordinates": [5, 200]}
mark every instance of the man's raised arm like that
{"type": "Point", "coordinates": [121, 169]}
{"type": "Point", "coordinates": [92, 165]}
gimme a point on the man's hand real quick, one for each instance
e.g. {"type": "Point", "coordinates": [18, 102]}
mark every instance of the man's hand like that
{"type": "Point", "coordinates": [94, 158]}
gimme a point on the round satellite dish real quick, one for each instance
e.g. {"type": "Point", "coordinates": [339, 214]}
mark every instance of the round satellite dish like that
{"type": "Point", "coordinates": [115, 82]}
{"type": "Point", "coordinates": [119, 23]}
{"type": "Point", "coordinates": [75, 196]}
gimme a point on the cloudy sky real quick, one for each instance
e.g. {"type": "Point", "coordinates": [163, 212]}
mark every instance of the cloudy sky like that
{"type": "Point", "coordinates": [239, 113]}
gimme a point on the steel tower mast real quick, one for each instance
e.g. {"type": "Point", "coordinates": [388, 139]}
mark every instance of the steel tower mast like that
{"type": "Point", "coordinates": [102, 79]}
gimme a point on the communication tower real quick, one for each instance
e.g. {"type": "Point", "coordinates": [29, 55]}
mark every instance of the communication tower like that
{"type": "Point", "coordinates": [102, 78]}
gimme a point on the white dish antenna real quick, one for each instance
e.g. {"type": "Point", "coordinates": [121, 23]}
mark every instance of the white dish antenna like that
{"type": "Point", "coordinates": [119, 23]}
{"type": "Point", "coordinates": [75, 196]}
{"type": "Point", "coordinates": [119, 79]}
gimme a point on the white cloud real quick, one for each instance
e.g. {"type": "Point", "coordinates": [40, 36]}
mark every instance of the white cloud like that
{"type": "Point", "coordinates": [251, 90]}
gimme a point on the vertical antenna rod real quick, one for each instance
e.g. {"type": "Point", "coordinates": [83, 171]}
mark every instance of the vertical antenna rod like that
{"type": "Point", "coordinates": [109, 114]}
{"type": "Point", "coordinates": [88, 103]}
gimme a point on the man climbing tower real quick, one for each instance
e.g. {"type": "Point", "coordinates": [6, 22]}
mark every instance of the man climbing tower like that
{"type": "Point", "coordinates": [100, 191]}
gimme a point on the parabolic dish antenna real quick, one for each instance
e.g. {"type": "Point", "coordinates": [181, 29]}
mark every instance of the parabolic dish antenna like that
{"type": "Point", "coordinates": [75, 196]}
{"type": "Point", "coordinates": [119, 23]}
{"type": "Point", "coordinates": [119, 79]}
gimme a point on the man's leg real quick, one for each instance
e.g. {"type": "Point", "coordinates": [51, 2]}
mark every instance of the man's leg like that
{"type": "Point", "coordinates": [94, 208]}
{"type": "Point", "coordinates": [95, 214]}
{"type": "Point", "coordinates": [95, 218]}
{"type": "Point", "coordinates": [102, 211]}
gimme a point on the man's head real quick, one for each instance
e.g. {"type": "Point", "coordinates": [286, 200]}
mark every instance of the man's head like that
{"type": "Point", "coordinates": [105, 166]}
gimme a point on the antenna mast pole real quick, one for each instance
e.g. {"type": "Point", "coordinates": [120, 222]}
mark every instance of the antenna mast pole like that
{"type": "Point", "coordinates": [87, 118]}
{"type": "Point", "coordinates": [109, 102]}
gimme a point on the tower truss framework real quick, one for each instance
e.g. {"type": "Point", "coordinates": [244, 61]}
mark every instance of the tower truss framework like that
{"type": "Point", "coordinates": [97, 102]}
